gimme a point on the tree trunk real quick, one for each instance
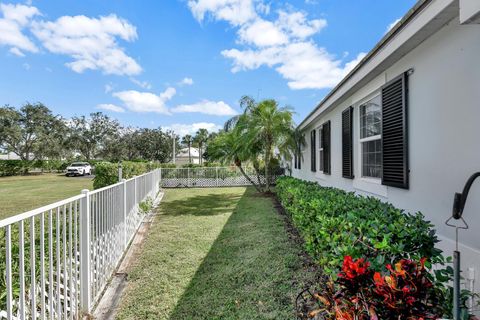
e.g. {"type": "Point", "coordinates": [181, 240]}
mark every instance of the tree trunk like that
{"type": "Point", "coordinates": [239, 166]}
{"type": "Point", "coordinates": [267, 165]}
{"type": "Point", "coordinates": [257, 171]}
{"type": "Point", "coordinates": [189, 154]}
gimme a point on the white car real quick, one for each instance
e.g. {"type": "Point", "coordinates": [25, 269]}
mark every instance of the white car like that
{"type": "Point", "coordinates": [78, 169]}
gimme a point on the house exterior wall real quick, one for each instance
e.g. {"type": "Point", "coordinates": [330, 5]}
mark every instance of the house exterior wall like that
{"type": "Point", "coordinates": [444, 135]}
{"type": "Point", "coordinates": [185, 160]}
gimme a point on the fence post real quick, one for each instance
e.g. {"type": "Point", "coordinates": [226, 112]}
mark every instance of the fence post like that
{"type": "Point", "coordinates": [188, 177]}
{"type": "Point", "coordinates": [124, 184]}
{"type": "Point", "coordinates": [159, 179]}
{"type": "Point", "coordinates": [120, 172]}
{"type": "Point", "coordinates": [216, 175]}
{"type": "Point", "coordinates": [135, 192]}
{"type": "Point", "coordinates": [85, 292]}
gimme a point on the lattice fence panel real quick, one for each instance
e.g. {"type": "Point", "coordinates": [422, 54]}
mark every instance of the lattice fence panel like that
{"type": "Point", "coordinates": [208, 177]}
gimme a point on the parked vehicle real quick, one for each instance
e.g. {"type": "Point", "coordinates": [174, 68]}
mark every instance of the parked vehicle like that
{"type": "Point", "coordinates": [78, 169]}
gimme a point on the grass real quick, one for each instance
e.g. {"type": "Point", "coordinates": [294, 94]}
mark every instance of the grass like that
{"type": "Point", "coordinates": [215, 254]}
{"type": "Point", "coordinates": [22, 193]}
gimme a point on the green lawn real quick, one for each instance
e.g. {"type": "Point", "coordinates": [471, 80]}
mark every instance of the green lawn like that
{"type": "Point", "coordinates": [215, 254]}
{"type": "Point", "coordinates": [22, 193]}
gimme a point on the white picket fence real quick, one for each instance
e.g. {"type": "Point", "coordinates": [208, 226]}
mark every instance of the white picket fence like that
{"type": "Point", "coordinates": [57, 260]}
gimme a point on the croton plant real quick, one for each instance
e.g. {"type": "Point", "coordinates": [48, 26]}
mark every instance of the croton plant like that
{"type": "Point", "coordinates": [404, 291]}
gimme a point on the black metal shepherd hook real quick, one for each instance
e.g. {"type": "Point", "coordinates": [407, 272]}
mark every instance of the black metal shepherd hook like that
{"type": "Point", "coordinates": [458, 206]}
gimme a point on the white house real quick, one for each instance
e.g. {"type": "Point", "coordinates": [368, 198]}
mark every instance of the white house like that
{"type": "Point", "coordinates": [404, 125]}
{"type": "Point", "coordinates": [183, 158]}
{"type": "Point", "coordinates": [9, 156]}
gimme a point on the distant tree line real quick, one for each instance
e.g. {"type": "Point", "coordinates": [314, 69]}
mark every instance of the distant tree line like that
{"type": "Point", "coordinates": [33, 132]}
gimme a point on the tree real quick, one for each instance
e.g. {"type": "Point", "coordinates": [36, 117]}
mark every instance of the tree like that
{"type": "Point", "coordinates": [31, 132]}
{"type": "Point", "coordinates": [155, 145]}
{"type": "Point", "coordinates": [187, 141]}
{"type": "Point", "coordinates": [201, 138]}
{"type": "Point", "coordinates": [91, 135]}
{"type": "Point", "coordinates": [271, 127]}
{"type": "Point", "coordinates": [227, 148]}
{"type": "Point", "coordinates": [262, 130]}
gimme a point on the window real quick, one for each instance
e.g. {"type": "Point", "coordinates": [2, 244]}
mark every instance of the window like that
{"type": "Point", "coordinates": [313, 145]}
{"type": "Point", "coordinates": [370, 137]}
{"type": "Point", "coordinates": [320, 150]}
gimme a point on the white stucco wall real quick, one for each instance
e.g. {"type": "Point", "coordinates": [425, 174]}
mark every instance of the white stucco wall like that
{"type": "Point", "coordinates": [444, 130]}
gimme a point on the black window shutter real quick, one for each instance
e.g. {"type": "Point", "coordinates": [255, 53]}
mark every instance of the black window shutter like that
{"type": "Point", "coordinates": [299, 157]}
{"type": "Point", "coordinates": [326, 147]}
{"type": "Point", "coordinates": [313, 150]}
{"type": "Point", "coordinates": [395, 133]}
{"type": "Point", "coordinates": [347, 143]}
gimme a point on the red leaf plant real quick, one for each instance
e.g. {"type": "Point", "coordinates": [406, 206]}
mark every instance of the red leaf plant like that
{"type": "Point", "coordinates": [404, 292]}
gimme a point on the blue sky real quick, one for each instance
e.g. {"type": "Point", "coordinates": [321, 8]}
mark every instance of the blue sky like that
{"type": "Point", "coordinates": [182, 64]}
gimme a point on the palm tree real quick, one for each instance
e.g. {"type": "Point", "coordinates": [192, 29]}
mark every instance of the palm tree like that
{"type": "Point", "coordinates": [200, 138]}
{"type": "Point", "coordinates": [227, 148]}
{"type": "Point", "coordinates": [187, 140]}
{"type": "Point", "coordinates": [262, 129]}
{"type": "Point", "coordinates": [271, 127]}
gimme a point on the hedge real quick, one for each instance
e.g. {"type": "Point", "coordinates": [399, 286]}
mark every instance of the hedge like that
{"type": "Point", "coordinates": [106, 173]}
{"type": "Point", "coordinates": [17, 167]}
{"type": "Point", "coordinates": [335, 223]}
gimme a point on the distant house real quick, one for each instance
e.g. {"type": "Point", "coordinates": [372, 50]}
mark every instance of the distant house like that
{"type": "Point", "coordinates": [404, 125]}
{"type": "Point", "coordinates": [183, 158]}
{"type": "Point", "coordinates": [12, 156]}
{"type": "Point", "coordinates": [9, 156]}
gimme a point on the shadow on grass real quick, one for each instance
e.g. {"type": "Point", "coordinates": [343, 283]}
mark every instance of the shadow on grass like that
{"type": "Point", "coordinates": [252, 270]}
{"type": "Point", "coordinates": [201, 205]}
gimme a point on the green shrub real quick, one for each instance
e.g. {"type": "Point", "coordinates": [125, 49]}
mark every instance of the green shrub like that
{"type": "Point", "coordinates": [17, 167]}
{"type": "Point", "coordinates": [13, 167]}
{"type": "Point", "coordinates": [335, 223]}
{"type": "Point", "coordinates": [146, 206]}
{"type": "Point", "coordinates": [106, 173]}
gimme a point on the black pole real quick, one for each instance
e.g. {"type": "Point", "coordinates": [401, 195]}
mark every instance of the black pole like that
{"type": "Point", "coordinates": [456, 285]}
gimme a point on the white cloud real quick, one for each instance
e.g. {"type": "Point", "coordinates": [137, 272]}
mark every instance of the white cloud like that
{"type": "Point", "coordinates": [145, 101]}
{"type": "Point", "coordinates": [391, 25]}
{"type": "Point", "coordinates": [110, 107]}
{"type": "Point", "coordinates": [90, 42]}
{"type": "Point", "coordinates": [237, 12]}
{"type": "Point", "coordinates": [219, 108]}
{"type": "Point", "coordinates": [142, 84]}
{"type": "Point", "coordinates": [15, 19]}
{"type": "Point", "coordinates": [262, 33]}
{"type": "Point", "coordinates": [186, 82]}
{"type": "Point", "coordinates": [16, 52]}
{"type": "Point", "coordinates": [296, 24]}
{"type": "Point", "coordinates": [284, 43]}
{"type": "Point", "coordinates": [26, 66]}
{"type": "Point", "coordinates": [183, 129]}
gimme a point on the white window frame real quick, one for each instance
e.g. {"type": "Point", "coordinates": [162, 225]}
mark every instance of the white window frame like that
{"type": "Point", "coordinates": [367, 139]}
{"type": "Point", "coordinates": [320, 175]}
{"type": "Point", "coordinates": [320, 148]}
{"type": "Point", "coordinates": [366, 184]}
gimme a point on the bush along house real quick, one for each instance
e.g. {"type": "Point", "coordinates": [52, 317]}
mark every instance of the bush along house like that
{"type": "Point", "coordinates": [404, 125]}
